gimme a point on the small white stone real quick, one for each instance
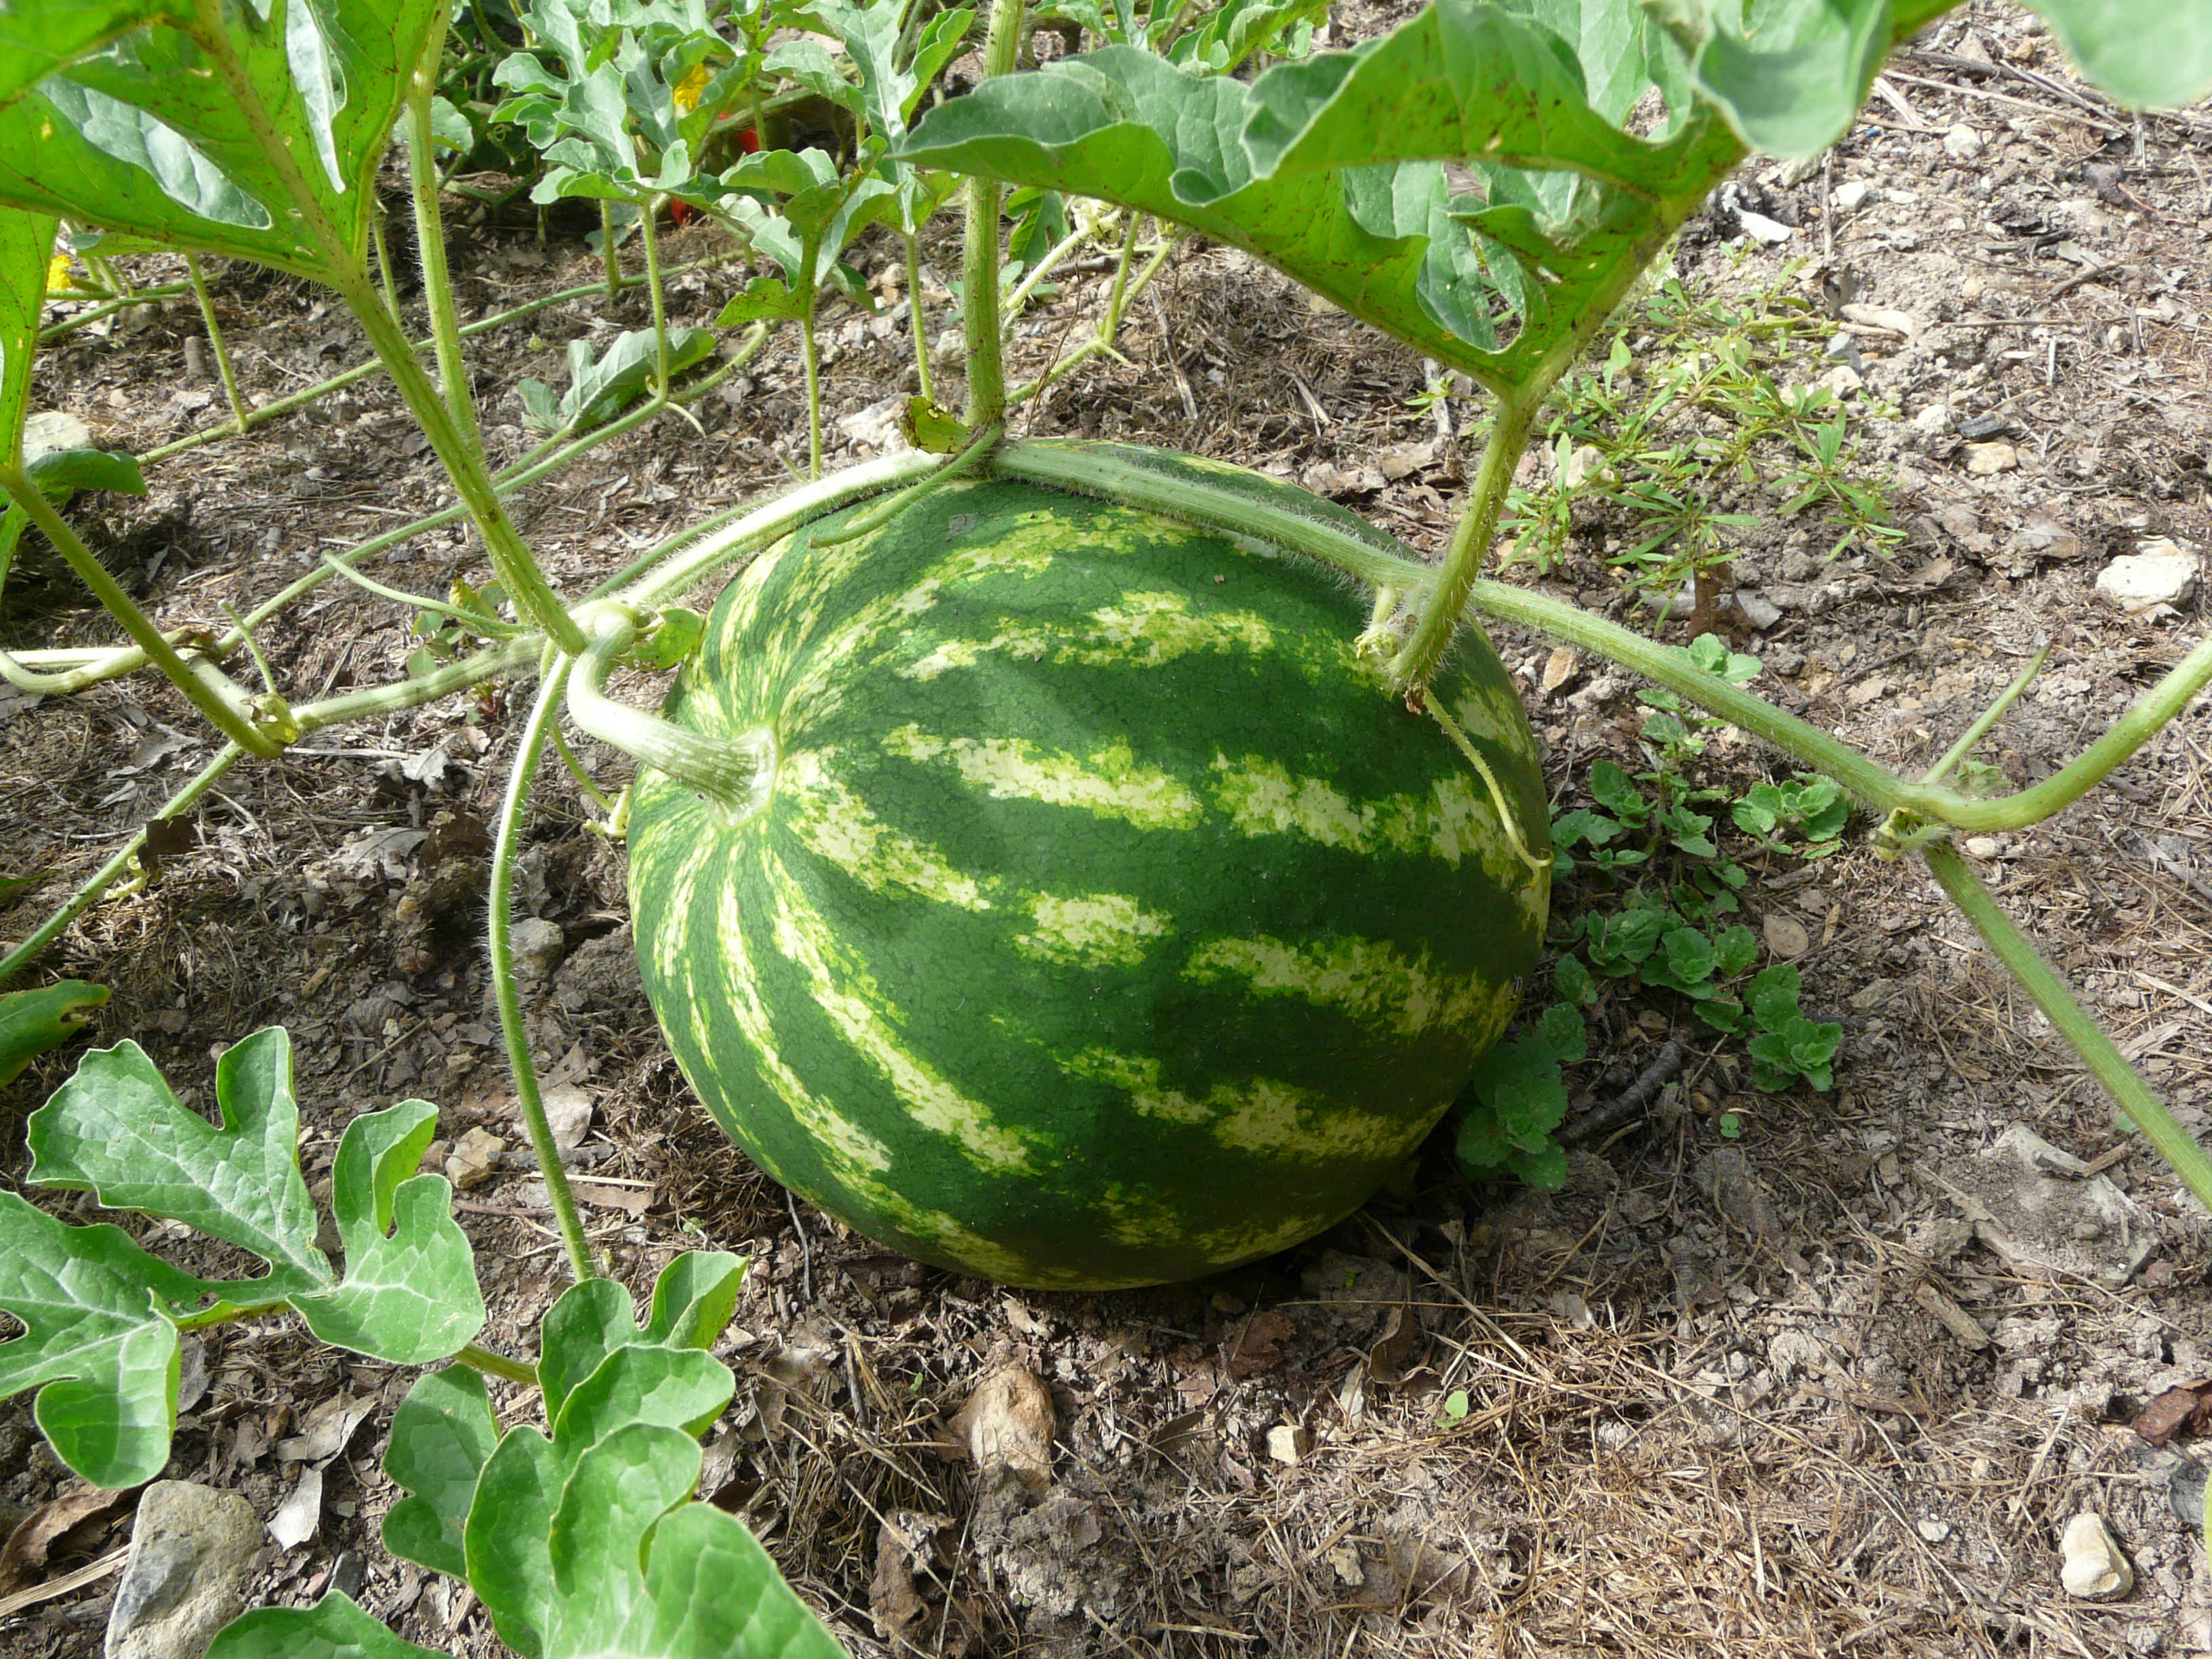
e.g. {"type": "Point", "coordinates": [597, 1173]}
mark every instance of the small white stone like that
{"type": "Point", "coordinates": [1981, 847]}
{"type": "Point", "coordinates": [1761, 612]}
{"type": "Point", "coordinates": [1851, 194]}
{"type": "Point", "coordinates": [1935, 420]}
{"type": "Point", "coordinates": [1760, 229]}
{"type": "Point", "coordinates": [1843, 380]}
{"type": "Point", "coordinates": [1986, 460]}
{"type": "Point", "coordinates": [2092, 1567]}
{"type": "Point", "coordinates": [2158, 572]}
{"type": "Point", "coordinates": [1962, 143]}
{"type": "Point", "coordinates": [1934, 1531]}
{"type": "Point", "coordinates": [1583, 463]}
{"type": "Point", "coordinates": [1288, 1442]}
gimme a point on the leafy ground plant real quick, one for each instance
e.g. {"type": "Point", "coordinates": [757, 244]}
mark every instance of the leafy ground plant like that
{"type": "Point", "coordinates": [581, 1538]}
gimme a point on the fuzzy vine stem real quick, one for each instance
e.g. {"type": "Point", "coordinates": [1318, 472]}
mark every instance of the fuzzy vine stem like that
{"type": "Point", "coordinates": [650, 241]}
{"type": "Point", "coordinates": [979, 301]}
{"type": "Point", "coordinates": [216, 348]}
{"type": "Point", "coordinates": [915, 323]}
{"type": "Point", "coordinates": [810, 362]}
{"type": "Point", "coordinates": [1439, 619]}
{"type": "Point", "coordinates": [543, 714]}
{"type": "Point", "coordinates": [734, 773]}
{"type": "Point", "coordinates": [892, 505]}
{"type": "Point", "coordinates": [204, 689]}
{"type": "Point", "coordinates": [498, 1364]}
{"type": "Point", "coordinates": [1989, 716]}
{"type": "Point", "coordinates": [430, 241]}
{"type": "Point", "coordinates": [2082, 1034]}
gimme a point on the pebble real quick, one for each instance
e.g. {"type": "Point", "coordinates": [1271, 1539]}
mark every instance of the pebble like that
{"type": "Point", "coordinates": [1852, 194]}
{"type": "Point", "coordinates": [1289, 1442]}
{"type": "Point", "coordinates": [475, 1160]}
{"type": "Point", "coordinates": [1843, 380]}
{"type": "Point", "coordinates": [1934, 1531]}
{"type": "Point", "coordinates": [1962, 143]}
{"type": "Point", "coordinates": [1786, 937]}
{"type": "Point", "coordinates": [1981, 847]}
{"type": "Point", "coordinates": [1760, 229]}
{"type": "Point", "coordinates": [1933, 421]}
{"type": "Point", "coordinates": [2092, 1566]}
{"type": "Point", "coordinates": [2158, 572]}
{"type": "Point", "coordinates": [184, 1579]}
{"type": "Point", "coordinates": [538, 945]}
{"type": "Point", "coordinates": [1986, 460]}
{"type": "Point", "coordinates": [1761, 612]}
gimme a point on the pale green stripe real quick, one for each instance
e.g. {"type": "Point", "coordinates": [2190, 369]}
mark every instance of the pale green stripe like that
{"type": "Point", "coordinates": [1370, 979]}
{"type": "Point", "coordinates": [1109, 782]}
{"type": "Point", "coordinates": [855, 1002]}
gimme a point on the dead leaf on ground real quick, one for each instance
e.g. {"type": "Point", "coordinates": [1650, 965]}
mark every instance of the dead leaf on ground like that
{"type": "Point", "coordinates": [903, 1551]}
{"type": "Point", "coordinates": [300, 1515]}
{"type": "Point", "coordinates": [2186, 1410]}
{"type": "Point", "coordinates": [1007, 1423]}
{"type": "Point", "coordinates": [1390, 1352]}
{"type": "Point", "coordinates": [45, 1532]}
{"type": "Point", "coordinates": [327, 1432]}
{"type": "Point", "coordinates": [1257, 1347]}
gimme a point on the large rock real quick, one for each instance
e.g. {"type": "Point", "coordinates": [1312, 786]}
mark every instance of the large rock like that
{"type": "Point", "coordinates": [190, 1550]}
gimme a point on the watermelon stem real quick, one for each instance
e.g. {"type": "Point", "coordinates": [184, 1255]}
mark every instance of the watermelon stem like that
{"type": "Point", "coordinates": [506, 988]}
{"type": "Point", "coordinates": [2083, 1035]}
{"type": "Point", "coordinates": [885, 511]}
{"type": "Point", "coordinates": [1439, 618]}
{"type": "Point", "coordinates": [735, 773]}
{"type": "Point", "coordinates": [979, 302]}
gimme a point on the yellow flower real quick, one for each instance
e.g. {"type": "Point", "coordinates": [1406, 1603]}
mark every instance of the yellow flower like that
{"type": "Point", "coordinates": [59, 278]}
{"type": "Point", "coordinates": [692, 87]}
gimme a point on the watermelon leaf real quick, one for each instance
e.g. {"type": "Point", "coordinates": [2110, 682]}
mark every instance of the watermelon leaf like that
{"type": "Point", "coordinates": [334, 1628]}
{"type": "Point", "coordinates": [442, 1435]}
{"type": "Point", "coordinates": [122, 114]}
{"type": "Point", "coordinates": [101, 1314]}
{"type": "Point", "coordinates": [32, 1021]}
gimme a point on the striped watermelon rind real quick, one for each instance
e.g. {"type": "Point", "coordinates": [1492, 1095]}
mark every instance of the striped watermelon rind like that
{"type": "Point", "coordinates": [1108, 922]}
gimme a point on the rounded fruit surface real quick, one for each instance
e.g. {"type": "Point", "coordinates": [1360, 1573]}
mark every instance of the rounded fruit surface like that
{"type": "Point", "coordinates": [1107, 922]}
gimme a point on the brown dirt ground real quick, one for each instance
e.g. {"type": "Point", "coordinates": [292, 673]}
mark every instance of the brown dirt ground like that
{"type": "Point", "coordinates": [1773, 1396]}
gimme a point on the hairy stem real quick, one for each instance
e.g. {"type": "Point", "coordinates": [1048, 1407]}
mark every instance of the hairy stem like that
{"type": "Point", "coordinates": [810, 360]}
{"type": "Point", "coordinates": [979, 300]}
{"type": "Point", "coordinates": [216, 348]}
{"type": "Point", "coordinates": [231, 721]}
{"type": "Point", "coordinates": [2086, 1038]}
{"type": "Point", "coordinates": [430, 240]}
{"type": "Point", "coordinates": [651, 243]}
{"type": "Point", "coordinates": [498, 1364]}
{"type": "Point", "coordinates": [733, 774]}
{"type": "Point", "coordinates": [543, 714]}
{"type": "Point", "coordinates": [1470, 546]}
{"type": "Point", "coordinates": [916, 322]}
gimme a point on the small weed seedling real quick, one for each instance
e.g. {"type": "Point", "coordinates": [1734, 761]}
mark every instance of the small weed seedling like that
{"type": "Point", "coordinates": [1675, 888]}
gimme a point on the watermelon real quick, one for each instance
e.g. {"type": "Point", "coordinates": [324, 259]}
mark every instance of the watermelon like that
{"type": "Point", "coordinates": [1107, 921]}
